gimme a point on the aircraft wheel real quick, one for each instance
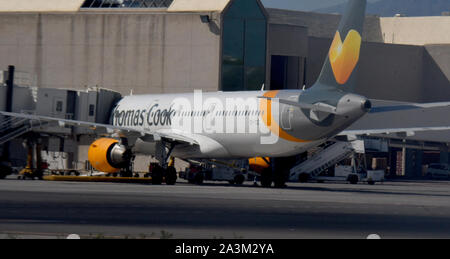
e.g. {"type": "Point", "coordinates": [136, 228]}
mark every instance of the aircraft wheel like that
{"type": "Point", "coordinates": [157, 175]}
{"type": "Point", "coordinates": [303, 177]}
{"type": "Point", "coordinates": [280, 183]}
{"type": "Point", "coordinates": [198, 179]}
{"type": "Point", "coordinates": [266, 178]}
{"type": "Point", "coordinates": [126, 174]}
{"type": "Point", "coordinates": [239, 179]}
{"type": "Point", "coordinates": [4, 173]}
{"type": "Point", "coordinates": [171, 175]}
{"type": "Point", "coordinates": [74, 172]}
{"type": "Point", "coordinates": [353, 179]}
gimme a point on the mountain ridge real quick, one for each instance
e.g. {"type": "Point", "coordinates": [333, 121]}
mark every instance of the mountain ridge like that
{"type": "Point", "coordinates": [303, 5]}
{"type": "Point", "coordinates": [388, 8]}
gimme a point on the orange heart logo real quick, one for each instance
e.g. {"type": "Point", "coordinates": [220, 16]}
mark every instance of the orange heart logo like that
{"type": "Point", "coordinates": [344, 56]}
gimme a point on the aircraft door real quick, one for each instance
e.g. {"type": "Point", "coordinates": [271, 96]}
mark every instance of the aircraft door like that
{"type": "Point", "coordinates": [286, 117]}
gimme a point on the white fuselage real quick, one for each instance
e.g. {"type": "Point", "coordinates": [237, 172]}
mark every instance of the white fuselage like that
{"type": "Point", "coordinates": [225, 125]}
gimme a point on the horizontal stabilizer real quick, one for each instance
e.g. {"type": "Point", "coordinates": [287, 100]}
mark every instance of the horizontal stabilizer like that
{"type": "Point", "coordinates": [411, 106]}
{"type": "Point", "coordinates": [317, 107]}
{"type": "Point", "coordinates": [402, 132]}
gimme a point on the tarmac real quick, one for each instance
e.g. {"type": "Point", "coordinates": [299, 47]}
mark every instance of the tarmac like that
{"type": "Point", "coordinates": [49, 209]}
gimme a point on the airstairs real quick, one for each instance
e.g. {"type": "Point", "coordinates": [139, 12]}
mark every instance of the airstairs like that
{"type": "Point", "coordinates": [11, 128]}
{"type": "Point", "coordinates": [323, 160]}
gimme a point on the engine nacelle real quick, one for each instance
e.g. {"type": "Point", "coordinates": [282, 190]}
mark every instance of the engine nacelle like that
{"type": "Point", "coordinates": [107, 155]}
{"type": "Point", "coordinates": [259, 164]}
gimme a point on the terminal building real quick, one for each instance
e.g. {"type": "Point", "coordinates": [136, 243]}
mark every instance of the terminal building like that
{"type": "Point", "coordinates": [173, 46]}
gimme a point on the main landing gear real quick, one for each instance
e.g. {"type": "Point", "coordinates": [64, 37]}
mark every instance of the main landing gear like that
{"type": "Point", "coordinates": [269, 176]}
{"type": "Point", "coordinates": [278, 171]}
{"type": "Point", "coordinates": [160, 174]}
{"type": "Point", "coordinates": [165, 169]}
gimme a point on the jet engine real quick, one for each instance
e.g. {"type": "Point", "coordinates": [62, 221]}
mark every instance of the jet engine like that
{"type": "Point", "coordinates": [259, 164]}
{"type": "Point", "coordinates": [108, 155]}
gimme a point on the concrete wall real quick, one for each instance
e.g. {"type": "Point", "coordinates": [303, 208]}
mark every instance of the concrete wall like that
{"type": "Point", "coordinates": [323, 25]}
{"type": "Point", "coordinates": [40, 5]}
{"type": "Point", "coordinates": [155, 53]}
{"type": "Point", "coordinates": [287, 40]}
{"type": "Point", "coordinates": [397, 30]}
{"type": "Point", "coordinates": [3, 90]}
{"type": "Point", "coordinates": [416, 30]}
{"type": "Point", "coordinates": [22, 99]}
{"type": "Point", "coordinates": [409, 70]}
{"type": "Point", "coordinates": [391, 72]}
{"type": "Point", "coordinates": [197, 5]}
{"type": "Point", "coordinates": [387, 71]}
{"type": "Point", "coordinates": [436, 79]}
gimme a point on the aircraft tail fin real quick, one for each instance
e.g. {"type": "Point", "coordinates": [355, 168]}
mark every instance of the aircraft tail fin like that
{"type": "Point", "coordinates": [342, 60]}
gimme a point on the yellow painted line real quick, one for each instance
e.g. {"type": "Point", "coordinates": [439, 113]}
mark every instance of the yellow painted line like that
{"type": "Point", "coordinates": [97, 179]}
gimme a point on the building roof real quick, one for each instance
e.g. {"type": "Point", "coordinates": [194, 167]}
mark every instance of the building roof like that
{"type": "Point", "coordinates": [198, 5]}
{"type": "Point", "coordinates": [40, 5]}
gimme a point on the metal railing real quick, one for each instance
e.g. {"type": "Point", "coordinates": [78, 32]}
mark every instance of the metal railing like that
{"type": "Point", "coordinates": [11, 122]}
{"type": "Point", "coordinates": [15, 134]}
{"type": "Point", "coordinates": [127, 4]}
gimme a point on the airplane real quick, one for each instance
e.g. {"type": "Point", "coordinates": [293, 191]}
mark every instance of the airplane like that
{"type": "Point", "coordinates": [244, 124]}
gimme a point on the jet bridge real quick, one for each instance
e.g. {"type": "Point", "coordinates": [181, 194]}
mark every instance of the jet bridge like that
{"type": "Point", "coordinates": [91, 105]}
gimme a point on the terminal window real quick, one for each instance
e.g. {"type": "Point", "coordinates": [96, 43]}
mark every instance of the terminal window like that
{"type": "Point", "coordinates": [127, 3]}
{"type": "Point", "coordinates": [244, 47]}
{"type": "Point", "coordinates": [91, 110]}
{"type": "Point", "coordinates": [59, 106]}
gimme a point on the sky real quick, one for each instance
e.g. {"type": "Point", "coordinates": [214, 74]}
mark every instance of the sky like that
{"type": "Point", "coordinates": [304, 5]}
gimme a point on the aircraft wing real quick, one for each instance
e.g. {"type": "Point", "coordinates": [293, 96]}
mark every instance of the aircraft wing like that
{"type": "Point", "coordinates": [110, 129]}
{"type": "Point", "coordinates": [402, 132]}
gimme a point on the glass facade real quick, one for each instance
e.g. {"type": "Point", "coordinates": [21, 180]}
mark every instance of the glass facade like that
{"type": "Point", "coordinates": [244, 46]}
{"type": "Point", "coordinates": [127, 3]}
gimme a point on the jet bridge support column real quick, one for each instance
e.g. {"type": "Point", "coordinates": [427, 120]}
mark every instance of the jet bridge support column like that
{"type": "Point", "coordinates": [33, 170]}
{"type": "Point", "coordinates": [9, 107]}
{"type": "Point", "coordinates": [419, 163]}
{"type": "Point", "coordinates": [409, 162]}
{"type": "Point", "coordinates": [393, 161]}
{"type": "Point", "coordinates": [413, 163]}
{"type": "Point", "coordinates": [444, 157]}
